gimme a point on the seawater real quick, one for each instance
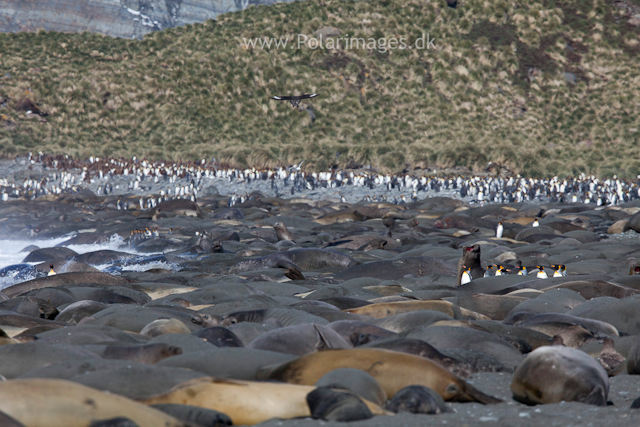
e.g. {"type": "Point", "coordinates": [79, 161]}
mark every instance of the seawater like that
{"type": "Point", "coordinates": [11, 254]}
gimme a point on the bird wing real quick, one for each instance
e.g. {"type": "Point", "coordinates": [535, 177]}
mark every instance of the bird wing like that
{"type": "Point", "coordinates": [308, 95]}
{"type": "Point", "coordinates": [282, 98]}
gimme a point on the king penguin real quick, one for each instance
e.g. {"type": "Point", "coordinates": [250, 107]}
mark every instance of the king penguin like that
{"type": "Point", "coordinates": [499, 230]}
{"type": "Point", "coordinates": [51, 271]}
{"type": "Point", "coordinates": [541, 273]}
{"type": "Point", "coordinates": [466, 276]}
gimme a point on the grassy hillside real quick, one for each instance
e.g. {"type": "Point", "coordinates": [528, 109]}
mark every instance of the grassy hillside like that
{"type": "Point", "coordinates": [494, 90]}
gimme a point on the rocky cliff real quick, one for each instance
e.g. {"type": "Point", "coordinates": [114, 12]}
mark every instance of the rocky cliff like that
{"type": "Point", "coordinates": [118, 18]}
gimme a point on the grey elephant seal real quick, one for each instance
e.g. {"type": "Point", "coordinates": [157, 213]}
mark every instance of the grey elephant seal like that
{"type": "Point", "coordinates": [417, 399]}
{"type": "Point", "coordinates": [337, 405]}
{"type": "Point", "coordinates": [555, 373]}
{"type": "Point", "coordinates": [470, 259]}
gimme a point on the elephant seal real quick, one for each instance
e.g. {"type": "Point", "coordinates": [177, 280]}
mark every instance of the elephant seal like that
{"type": "Point", "coordinates": [165, 326]}
{"type": "Point", "coordinates": [245, 402]}
{"type": "Point", "coordinates": [7, 421]}
{"type": "Point", "coordinates": [417, 399]}
{"type": "Point", "coordinates": [206, 320]}
{"type": "Point", "coordinates": [300, 339]}
{"type": "Point", "coordinates": [61, 402]}
{"type": "Point", "coordinates": [356, 381]}
{"type": "Point", "coordinates": [146, 353]}
{"type": "Point", "coordinates": [392, 370]}
{"type": "Point", "coordinates": [555, 373]}
{"type": "Point", "coordinates": [423, 349]}
{"type": "Point", "coordinates": [300, 259]}
{"type": "Point", "coordinates": [633, 359]}
{"type": "Point", "coordinates": [279, 316]}
{"type": "Point", "coordinates": [219, 336]}
{"type": "Point", "coordinates": [65, 279]}
{"type": "Point", "coordinates": [282, 232]}
{"type": "Point", "coordinates": [195, 415]}
{"type": "Point", "coordinates": [471, 260]}
{"type": "Point", "coordinates": [380, 310]}
{"type": "Point", "coordinates": [337, 405]}
{"type": "Point", "coordinates": [114, 422]}
{"type": "Point", "coordinates": [610, 359]}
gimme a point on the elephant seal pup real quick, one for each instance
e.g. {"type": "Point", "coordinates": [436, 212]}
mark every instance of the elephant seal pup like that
{"type": "Point", "coordinates": [283, 232]}
{"type": "Point", "coordinates": [149, 354]}
{"type": "Point", "coordinates": [164, 326]}
{"type": "Point", "coordinates": [356, 381]}
{"type": "Point", "coordinates": [337, 405]}
{"type": "Point", "coordinates": [245, 402]}
{"type": "Point", "coordinates": [219, 336]}
{"type": "Point", "coordinates": [555, 373]}
{"type": "Point", "coordinates": [66, 403]}
{"type": "Point", "coordinates": [417, 399]}
{"type": "Point", "coordinates": [392, 370]}
{"type": "Point", "coordinates": [470, 259]}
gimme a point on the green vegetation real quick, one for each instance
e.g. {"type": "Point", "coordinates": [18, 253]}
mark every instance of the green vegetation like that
{"type": "Point", "coordinates": [496, 89]}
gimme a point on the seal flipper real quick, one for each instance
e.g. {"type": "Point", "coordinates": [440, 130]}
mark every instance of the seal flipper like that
{"type": "Point", "coordinates": [596, 397]}
{"type": "Point", "coordinates": [321, 341]}
{"type": "Point", "coordinates": [471, 394]}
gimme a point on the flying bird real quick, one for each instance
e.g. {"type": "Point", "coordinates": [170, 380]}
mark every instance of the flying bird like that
{"type": "Point", "coordinates": [295, 100]}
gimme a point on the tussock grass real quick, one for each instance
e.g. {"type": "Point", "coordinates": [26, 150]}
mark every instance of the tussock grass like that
{"type": "Point", "coordinates": [494, 90]}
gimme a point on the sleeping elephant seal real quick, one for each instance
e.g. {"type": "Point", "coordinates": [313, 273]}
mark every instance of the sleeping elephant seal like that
{"type": "Point", "coordinates": [555, 373]}
{"type": "Point", "coordinates": [417, 399]}
{"type": "Point", "coordinates": [245, 402]}
{"type": "Point", "coordinates": [65, 403]}
{"type": "Point", "coordinates": [392, 370]}
{"type": "Point", "coordinates": [337, 405]}
{"type": "Point", "coordinates": [300, 259]}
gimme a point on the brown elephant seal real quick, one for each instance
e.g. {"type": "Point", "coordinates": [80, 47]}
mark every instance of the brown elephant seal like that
{"type": "Point", "coordinates": [423, 349]}
{"type": "Point", "coordinates": [282, 232]}
{"type": "Point", "coordinates": [392, 370]}
{"type": "Point", "coordinates": [147, 353]}
{"type": "Point", "coordinates": [165, 326]}
{"type": "Point", "coordinates": [552, 374]}
{"type": "Point", "coordinates": [610, 359]}
{"type": "Point", "coordinates": [574, 336]}
{"type": "Point", "coordinates": [470, 259]}
{"type": "Point", "coordinates": [337, 405]}
{"type": "Point", "coordinates": [417, 399]}
{"type": "Point", "coordinates": [245, 402]}
{"type": "Point", "coordinates": [65, 403]}
{"type": "Point", "coordinates": [385, 309]}
{"type": "Point", "coordinates": [206, 320]}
